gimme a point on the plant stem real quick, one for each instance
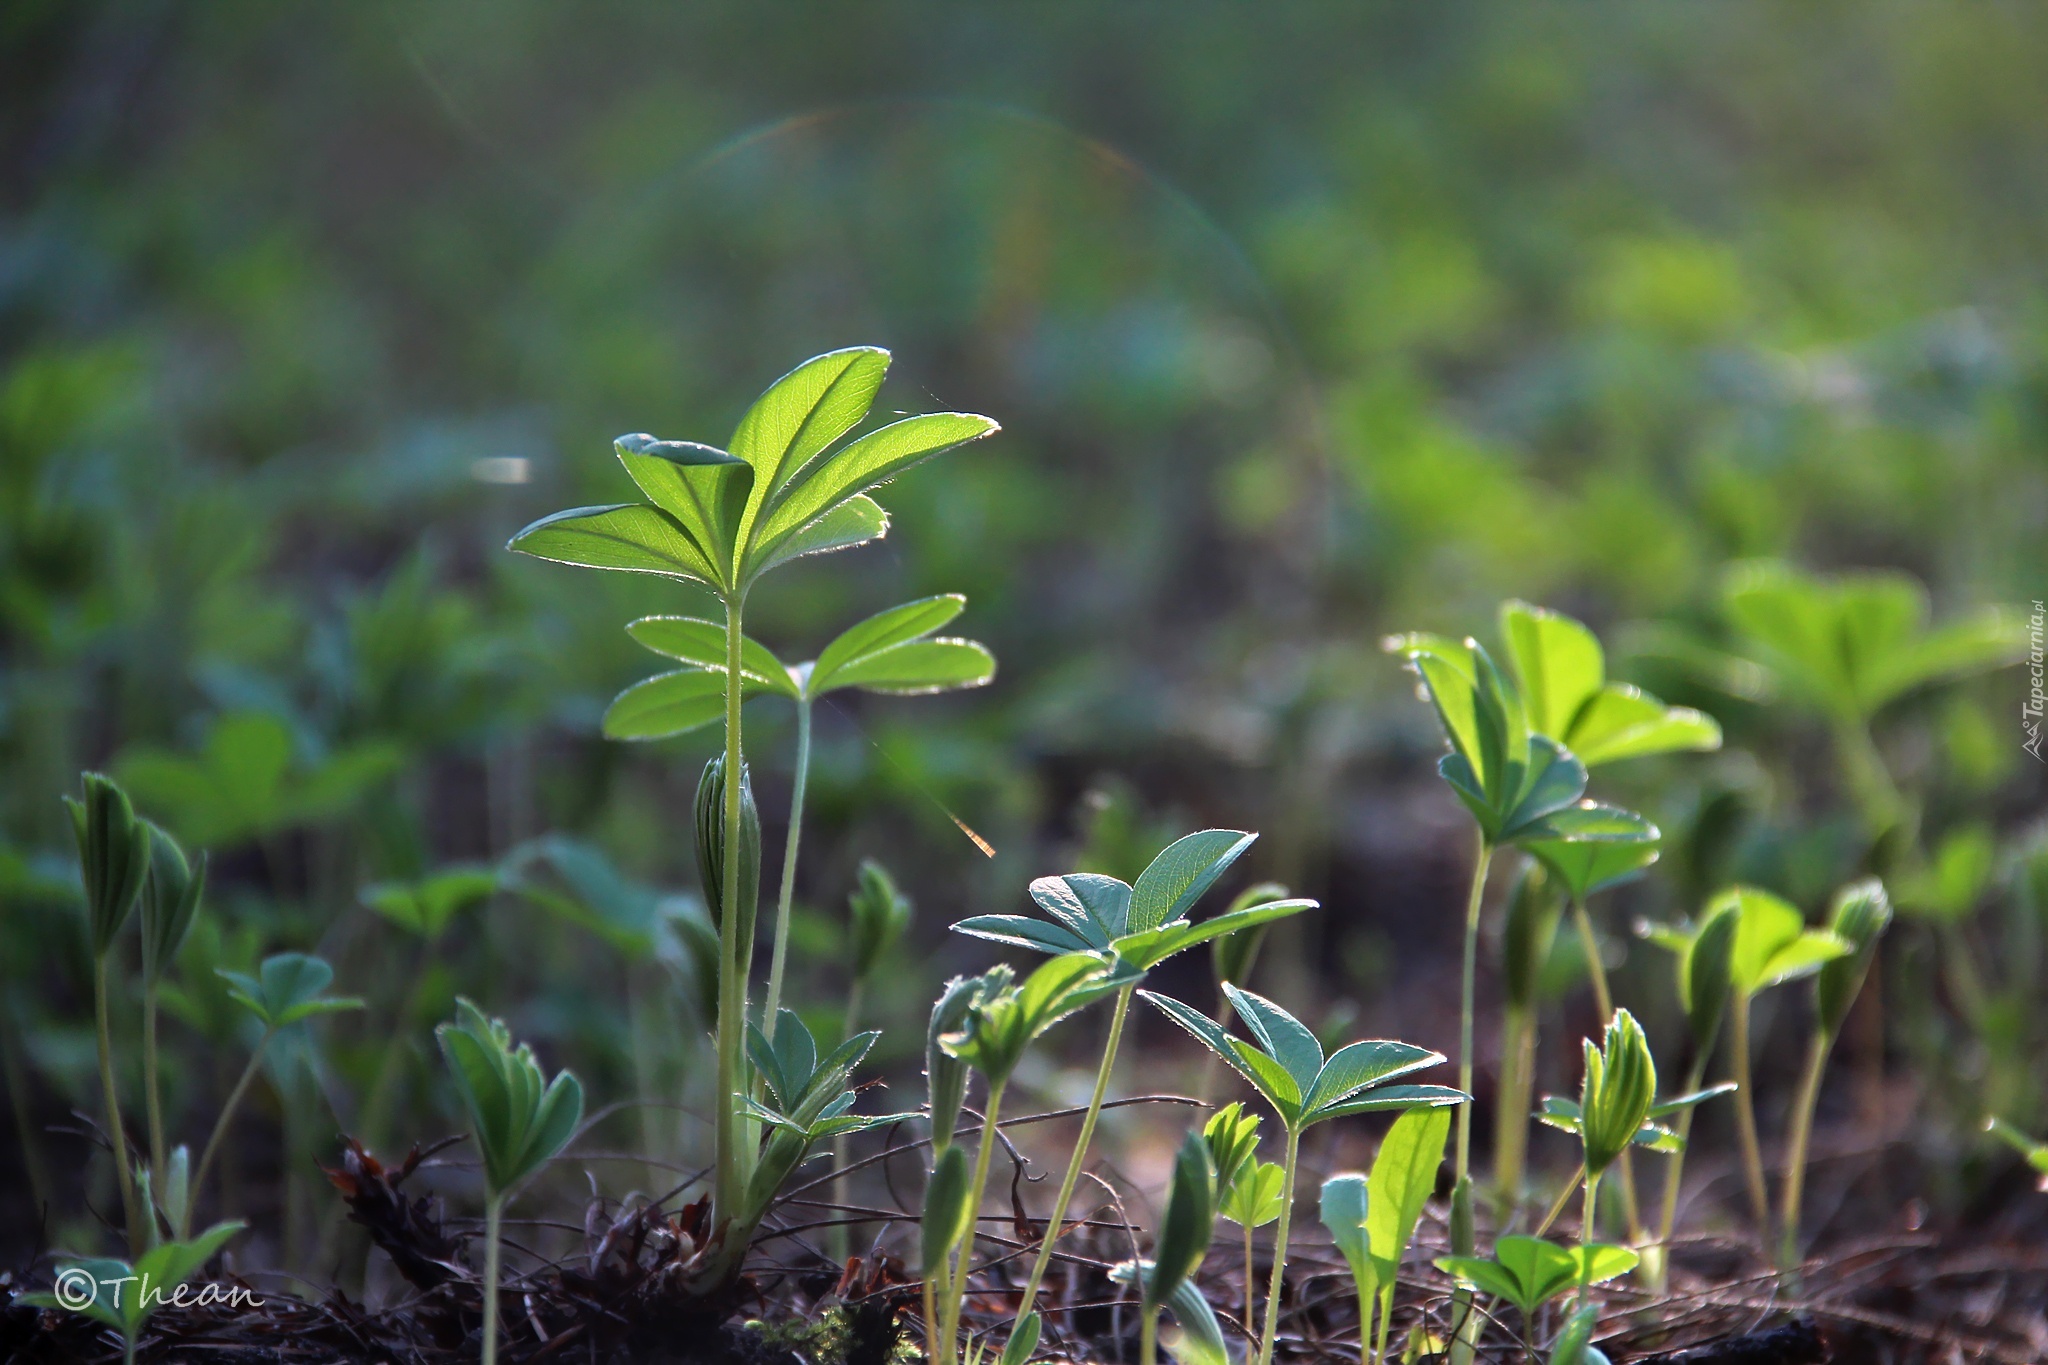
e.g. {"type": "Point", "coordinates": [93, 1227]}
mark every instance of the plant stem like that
{"type": "Point", "coordinates": [1511, 1120]}
{"type": "Point", "coordinates": [956, 1290]}
{"type": "Point", "coordinates": [931, 1326]}
{"type": "Point", "coordinates": [220, 1131]}
{"type": "Point", "coordinates": [1660, 1264]}
{"type": "Point", "coordinates": [839, 1237]}
{"type": "Point", "coordinates": [131, 1212]}
{"type": "Point", "coordinates": [1248, 1278]}
{"type": "Point", "coordinates": [1745, 1117]}
{"type": "Point", "coordinates": [728, 1157]}
{"type": "Point", "coordinates": [1596, 969]}
{"type": "Point", "coordinates": [1795, 1159]}
{"type": "Point", "coordinates": [494, 1213]}
{"type": "Point", "coordinates": [152, 1098]}
{"type": "Point", "coordinates": [1468, 990]}
{"type": "Point", "coordinates": [1271, 1327]}
{"type": "Point", "coordinates": [377, 1109]}
{"type": "Point", "coordinates": [18, 1100]}
{"type": "Point", "coordinates": [1075, 1162]}
{"type": "Point", "coordinates": [1564, 1197]}
{"type": "Point", "coordinates": [1586, 1226]}
{"type": "Point", "coordinates": [789, 847]}
{"type": "Point", "coordinates": [1148, 1335]}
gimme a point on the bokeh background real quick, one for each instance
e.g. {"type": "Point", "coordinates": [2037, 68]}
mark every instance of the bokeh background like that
{"type": "Point", "coordinates": [1304, 323]}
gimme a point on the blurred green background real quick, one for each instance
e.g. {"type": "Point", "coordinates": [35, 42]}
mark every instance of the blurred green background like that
{"type": "Point", "coordinates": [1304, 324]}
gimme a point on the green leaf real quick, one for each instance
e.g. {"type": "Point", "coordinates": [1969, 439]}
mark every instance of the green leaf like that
{"type": "Point", "coordinates": [895, 626]}
{"type": "Point", "coordinates": [1268, 1077]}
{"type": "Point", "coordinates": [630, 537]}
{"type": "Point", "coordinates": [1283, 1037]}
{"type": "Point", "coordinates": [1953, 884]}
{"type": "Point", "coordinates": [1253, 1199]}
{"type": "Point", "coordinates": [1859, 918]}
{"type": "Point", "coordinates": [1187, 1223]}
{"type": "Point", "coordinates": [287, 988]}
{"type": "Point", "coordinates": [1619, 1086]}
{"type": "Point", "coordinates": [1772, 944]}
{"type": "Point", "coordinates": [915, 669]}
{"type": "Point", "coordinates": [1358, 1065]}
{"type": "Point", "coordinates": [1232, 954]}
{"type": "Point", "coordinates": [1558, 666]}
{"type": "Point", "coordinates": [1148, 949]}
{"type": "Point", "coordinates": [427, 906]}
{"type": "Point", "coordinates": [856, 521]}
{"type": "Point", "coordinates": [704, 489]}
{"type": "Point", "coordinates": [113, 857]}
{"type": "Point", "coordinates": [1343, 1210]}
{"type": "Point", "coordinates": [1001, 1025]}
{"type": "Point", "coordinates": [860, 465]}
{"type": "Point", "coordinates": [879, 913]}
{"type": "Point", "coordinates": [520, 1120]}
{"type": "Point", "coordinates": [1094, 907]}
{"type": "Point", "coordinates": [700, 643]}
{"type": "Point", "coordinates": [945, 1074]}
{"type": "Point", "coordinates": [667, 705]}
{"type": "Point", "coordinates": [170, 901]}
{"type": "Point", "coordinates": [1574, 1344]}
{"type": "Point", "coordinates": [1233, 1138]}
{"type": "Point", "coordinates": [1403, 1178]}
{"type": "Point", "coordinates": [947, 1216]}
{"type": "Point", "coordinates": [1621, 721]}
{"type": "Point", "coordinates": [1387, 1099]}
{"type": "Point", "coordinates": [1528, 1272]}
{"type": "Point", "coordinates": [1020, 931]}
{"type": "Point", "coordinates": [801, 414]}
{"type": "Point", "coordinates": [1591, 847]}
{"type": "Point", "coordinates": [1023, 1340]}
{"type": "Point", "coordinates": [1171, 884]}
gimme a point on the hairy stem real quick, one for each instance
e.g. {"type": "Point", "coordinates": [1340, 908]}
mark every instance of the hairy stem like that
{"type": "Point", "coordinates": [788, 889]}
{"type": "Point", "coordinates": [1467, 991]}
{"type": "Point", "coordinates": [1586, 1226]}
{"type": "Point", "coordinates": [1055, 1224]}
{"type": "Point", "coordinates": [956, 1290]}
{"type": "Point", "coordinates": [220, 1131]}
{"type": "Point", "coordinates": [1248, 1278]}
{"type": "Point", "coordinates": [131, 1211]}
{"type": "Point", "coordinates": [1745, 1118]}
{"type": "Point", "coordinates": [729, 1162]}
{"type": "Point", "coordinates": [494, 1213]}
{"type": "Point", "coordinates": [1270, 1329]}
{"type": "Point", "coordinates": [1794, 1190]}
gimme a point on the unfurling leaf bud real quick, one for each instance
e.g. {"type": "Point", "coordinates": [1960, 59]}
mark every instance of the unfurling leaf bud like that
{"type": "Point", "coordinates": [880, 915]}
{"type": "Point", "coordinates": [113, 856]}
{"type": "Point", "coordinates": [1861, 913]}
{"type": "Point", "coordinates": [1619, 1087]}
{"type": "Point", "coordinates": [710, 817]}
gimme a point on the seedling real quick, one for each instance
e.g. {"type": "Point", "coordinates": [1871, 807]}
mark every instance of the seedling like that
{"type": "Point", "coordinates": [124, 1295]}
{"type": "Point", "coordinates": [287, 989]}
{"type": "Point", "coordinates": [1001, 1021]}
{"type": "Point", "coordinates": [947, 1221]}
{"type": "Point", "coordinates": [1772, 946]}
{"type": "Point", "coordinates": [1247, 1189]}
{"type": "Point", "coordinates": [1133, 927]}
{"type": "Point", "coordinates": [113, 859]}
{"type": "Point", "coordinates": [1704, 956]}
{"type": "Point", "coordinates": [1529, 1272]}
{"type": "Point", "coordinates": [170, 902]}
{"type": "Point", "coordinates": [1289, 1071]}
{"type": "Point", "coordinates": [1185, 1229]}
{"type": "Point", "coordinates": [1373, 1220]}
{"type": "Point", "coordinates": [2036, 1153]}
{"type": "Point", "coordinates": [893, 652]}
{"type": "Point", "coordinates": [721, 519]}
{"type": "Point", "coordinates": [520, 1120]}
{"type": "Point", "coordinates": [1860, 915]}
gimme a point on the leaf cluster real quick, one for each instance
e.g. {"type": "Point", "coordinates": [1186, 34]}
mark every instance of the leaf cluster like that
{"type": "Point", "coordinates": [521, 1119]}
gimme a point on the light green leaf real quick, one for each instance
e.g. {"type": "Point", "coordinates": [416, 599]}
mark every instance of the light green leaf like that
{"type": "Point", "coordinates": [703, 488]}
{"type": "Point", "coordinates": [897, 625]}
{"type": "Point", "coordinates": [947, 1216]}
{"type": "Point", "coordinates": [1175, 879]}
{"type": "Point", "coordinates": [914, 669]}
{"type": "Point", "coordinates": [802, 413]}
{"type": "Point", "coordinates": [1625, 722]}
{"type": "Point", "coordinates": [1253, 1199]}
{"type": "Point", "coordinates": [1187, 1224]}
{"type": "Point", "coordinates": [1591, 847]}
{"type": "Point", "coordinates": [701, 643]}
{"type": "Point", "coordinates": [1558, 666]}
{"type": "Point", "coordinates": [861, 464]}
{"type": "Point", "coordinates": [630, 537]}
{"type": "Point", "coordinates": [667, 705]}
{"type": "Point", "coordinates": [856, 521]}
{"type": "Point", "coordinates": [426, 907]}
{"type": "Point", "coordinates": [1403, 1178]}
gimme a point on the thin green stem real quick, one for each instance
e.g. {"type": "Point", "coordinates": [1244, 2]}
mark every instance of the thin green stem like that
{"type": "Point", "coordinates": [220, 1131]}
{"type": "Point", "coordinates": [1877, 797]}
{"type": "Point", "coordinates": [131, 1211]}
{"type": "Point", "coordinates": [1745, 1118]}
{"type": "Point", "coordinates": [1596, 969]}
{"type": "Point", "coordinates": [1249, 1278]}
{"type": "Point", "coordinates": [1557, 1206]}
{"type": "Point", "coordinates": [990, 1136]}
{"type": "Point", "coordinates": [839, 1237]}
{"type": "Point", "coordinates": [729, 1155]}
{"type": "Point", "coordinates": [1467, 992]}
{"type": "Point", "coordinates": [1586, 1220]}
{"type": "Point", "coordinates": [1148, 1335]}
{"type": "Point", "coordinates": [1659, 1264]}
{"type": "Point", "coordinates": [494, 1213]}
{"type": "Point", "coordinates": [788, 889]}
{"type": "Point", "coordinates": [377, 1109]}
{"type": "Point", "coordinates": [931, 1326]}
{"type": "Point", "coordinates": [1794, 1191]}
{"type": "Point", "coordinates": [1271, 1327]}
{"type": "Point", "coordinates": [152, 1096]}
{"type": "Point", "coordinates": [1055, 1224]}
{"type": "Point", "coordinates": [1511, 1120]}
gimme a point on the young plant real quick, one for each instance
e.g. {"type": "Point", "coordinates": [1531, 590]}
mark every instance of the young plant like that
{"type": "Point", "coordinates": [1288, 1069]}
{"type": "Point", "coordinates": [1001, 1021]}
{"type": "Point", "coordinates": [1860, 915]}
{"type": "Point", "coordinates": [1529, 1272]}
{"type": "Point", "coordinates": [1704, 955]}
{"type": "Point", "coordinates": [1185, 1229]}
{"type": "Point", "coordinates": [1247, 1189]}
{"type": "Point", "coordinates": [124, 1294]}
{"type": "Point", "coordinates": [1133, 927]}
{"type": "Point", "coordinates": [1772, 946]}
{"type": "Point", "coordinates": [1373, 1219]}
{"type": "Point", "coordinates": [893, 653]}
{"type": "Point", "coordinates": [113, 860]}
{"type": "Point", "coordinates": [948, 1220]}
{"type": "Point", "coordinates": [423, 909]}
{"type": "Point", "coordinates": [520, 1119]}
{"type": "Point", "coordinates": [286, 989]}
{"type": "Point", "coordinates": [722, 519]}
{"type": "Point", "coordinates": [170, 902]}
{"type": "Point", "coordinates": [1616, 1093]}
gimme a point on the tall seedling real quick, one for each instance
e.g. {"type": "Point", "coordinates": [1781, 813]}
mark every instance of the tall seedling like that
{"type": "Point", "coordinates": [894, 653]}
{"type": "Point", "coordinates": [1373, 1219]}
{"type": "Point", "coordinates": [722, 519]}
{"type": "Point", "coordinates": [1859, 918]}
{"type": "Point", "coordinates": [1133, 928]}
{"type": "Point", "coordinates": [520, 1119]}
{"type": "Point", "coordinates": [113, 860]}
{"type": "Point", "coordinates": [170, 902]}
{"type": "Point", "coordinates": [1288, 1069]}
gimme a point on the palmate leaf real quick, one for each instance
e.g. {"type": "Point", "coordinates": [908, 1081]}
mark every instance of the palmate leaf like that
{"type": "Point", "coordinates": [1590, 846]}
{"type": "Point", "coordinates": [860, 465]}
{"type": "Point", "coordinates": [1772, 943]}
{"type": "Point", "coordinates": [1561, 672]}
{"type": "Point", "coordinates": [1253, 1199]}
{"type": "Point", "coordinates": [287, 988]}
{"type": "Point", "coordinates": [426, 907]}
{"type": "Point", "coordinates": [1561, 1113]}
{"type": "Point", "coordinates": [803, 413]}
{"type": "Point", "coordinates": [702, 487]}
{"type": "Point", "coordinates": [669, 704]}
{"type": "Point", "coordinates": [521, 1120]}
{"type": "Point", "coordinates": [1001, 1023]}
{"type": "Point", "coordinates": [628, 537]}
{"type": "Point", "coordinates": [701, 644]}
{"type": "Point", "coordinates": [1529, 1272]}
{"type": "Point", "coordinates": [1621, 721]}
